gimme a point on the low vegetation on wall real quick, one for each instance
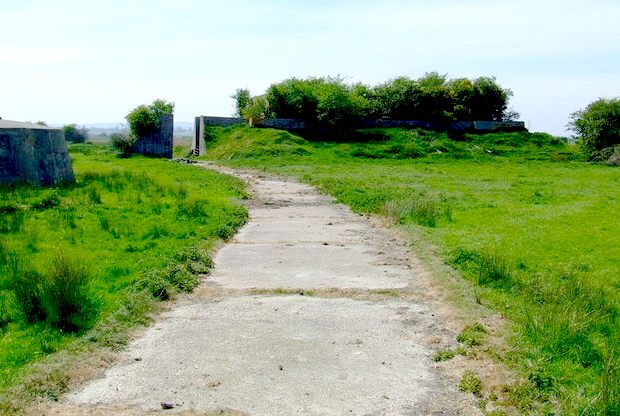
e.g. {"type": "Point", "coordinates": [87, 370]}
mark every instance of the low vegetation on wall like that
{"type": "Point", "coordinates": [332, 102]}
{"type": "Point", "coordinates": [82, 263]}
{"type": "Point", "coordinates": [523, 218]}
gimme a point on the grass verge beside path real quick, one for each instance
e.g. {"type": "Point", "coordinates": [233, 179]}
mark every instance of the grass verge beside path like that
{"type": "Point", "coordinates": [81, 264]}
{"type": "Point", "coordinates": [530, 226]}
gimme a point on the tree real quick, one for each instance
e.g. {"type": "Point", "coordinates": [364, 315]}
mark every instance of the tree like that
{"type": "Point", "coordinates": [434, 103]}
{"type": "Point", "coordinates": [330, 102]}
{"type": "Point", "coordinates": [144, 119]}
{"type": "Point", "coordinates": [397, 98]}
{"type": "Point", "coordinates": [74, 134]}
{"type": "Point", "coordinates": [293, 98]}
{"type": "Point", "coordinates": [242, 99]}
{"type": "Point", "coordinates": [490, 101]}
{"type": "Point", "coordinates": [597, 127]}
{"type": "Point", "coordinates": [256, 110]}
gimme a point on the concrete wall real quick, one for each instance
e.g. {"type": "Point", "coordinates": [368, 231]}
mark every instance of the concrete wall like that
{"type": "Point", "coordinates": [33, 154]}
{"type": "Point", "coordinates": [159, 142]}
{"type": "Point", "coordinates": [294, 124]}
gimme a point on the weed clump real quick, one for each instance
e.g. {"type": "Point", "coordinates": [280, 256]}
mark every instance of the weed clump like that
{"type": "Point", "coordinates": [443, 355]}
{"type": "Point", "coordinates": [470, 383]}
{"type": "Point", "coordinates": [181, 275]}
{"type": "Point", "coordinates": [493, 267]}
{"type": "Point", "coordinates": [472, 335]}
{"type": "Point", "coordinates": [66, 295]}
{"type": "Point", "coordinates": [424, 210]}
{"type": "Point", "coordinates": [59, 296]}
{"type": "Point", "coordinates": [27, 286]}
{"type": "Point", "coordinates": [49, 201]}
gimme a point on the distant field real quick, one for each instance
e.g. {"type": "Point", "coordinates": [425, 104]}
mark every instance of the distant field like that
{"type": "Point", "coordinates": [179, 139]}
{"type": "Point", "coordinates": [532, 227]}
{"type": "Point", "coordinates": [81, 264]}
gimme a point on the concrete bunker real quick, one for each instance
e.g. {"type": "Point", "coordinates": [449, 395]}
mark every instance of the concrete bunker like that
{"type": "Point", "coordinates": [159, 141]}
{"type": "Point", "coordinates": [33, 154]}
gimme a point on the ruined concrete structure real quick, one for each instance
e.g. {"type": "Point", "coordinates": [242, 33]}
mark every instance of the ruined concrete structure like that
{"type": "Point", "coordinates": [158, 143]}
{"type": "Point", "coordinates": [202, 122]}
{"type": "Point", "coordinates": [34, 154]}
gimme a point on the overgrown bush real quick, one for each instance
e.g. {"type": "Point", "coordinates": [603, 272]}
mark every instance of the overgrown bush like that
{"type": "Point", "coordinates": [598, 127]}
{"type": "Point", "coordinates": [144, 119]}
{"type": "Point", "coordinates": [75, 134]}
{"type": "Point", "coordinates": [123, 142]}
{"type": "Point", "coordinates": [330, 102]}
{"type": "Point", "coordinates": [324, 101]}
{"type": "Point", "coordinates": [256, 110]}
{"type": "Point", "coordinates": [242, 99]}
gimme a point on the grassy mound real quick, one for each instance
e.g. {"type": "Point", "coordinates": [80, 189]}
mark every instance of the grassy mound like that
{"type": "Point", "coordinates": [412, 144]}
{"type": "Point", "coordinates": [239, 142]}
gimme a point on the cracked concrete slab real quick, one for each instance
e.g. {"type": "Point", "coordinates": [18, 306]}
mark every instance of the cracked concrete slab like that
{"type": "Point", "coordinates": [276, 356]}
{"type": "Point", "coordinates": [305, 265]}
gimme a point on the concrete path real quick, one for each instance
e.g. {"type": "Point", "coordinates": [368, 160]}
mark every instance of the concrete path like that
{"type": "Point", "coordinates": [310, 310]}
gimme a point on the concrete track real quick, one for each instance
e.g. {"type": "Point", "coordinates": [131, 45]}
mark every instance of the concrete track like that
{"type": "Point", "coordinates": [310, 310]}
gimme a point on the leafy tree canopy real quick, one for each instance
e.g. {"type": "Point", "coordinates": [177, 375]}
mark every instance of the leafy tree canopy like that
{"type": "Point", "coordinates": [144, 119]}
{"type": "Point", "coordinates": [330, 101]}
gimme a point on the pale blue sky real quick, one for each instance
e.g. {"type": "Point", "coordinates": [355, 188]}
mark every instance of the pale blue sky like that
{"type": "Point", "coordinates": [86, 61]}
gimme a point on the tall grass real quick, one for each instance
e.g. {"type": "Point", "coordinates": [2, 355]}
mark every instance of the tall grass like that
{"type": "Point", "coordinates": [423, 210]}
{"type": "Point", "coordinates": [58, 295]}
{"type": "Point", "coordinates": [66, 298]}
{"type": "Point", "coordinates": [118, 226]}
{"type": "Point", "coordinates": [11, 219]}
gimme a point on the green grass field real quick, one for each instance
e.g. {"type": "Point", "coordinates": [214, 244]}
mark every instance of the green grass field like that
{"type": "Point", "coordinates": [532, 227]}
{"type": "Point", "coordinates": [83, 263]}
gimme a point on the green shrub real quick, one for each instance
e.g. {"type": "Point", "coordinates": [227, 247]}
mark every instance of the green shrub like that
{"type": "Point", "coordinates": [242, 99]}
{"type": "Point", "coordinates": [195, 259]}
{"type": "Point", "coordinates": [74, 134]}
{"type": "Point", "coordinates": [123, 142]}
{"type": "Point", "coordinates": [256, 111]}
{"type": "Point", "coordinates": [156, 284]}
{"type": "Point", "coordinates": [330, 102]}
{"type": "Point", "coordinates": [181, 277]}
{"type": "Point", "coordinates": [144, 119]}
{"type": "Point", "coordinates": [598, 126]}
